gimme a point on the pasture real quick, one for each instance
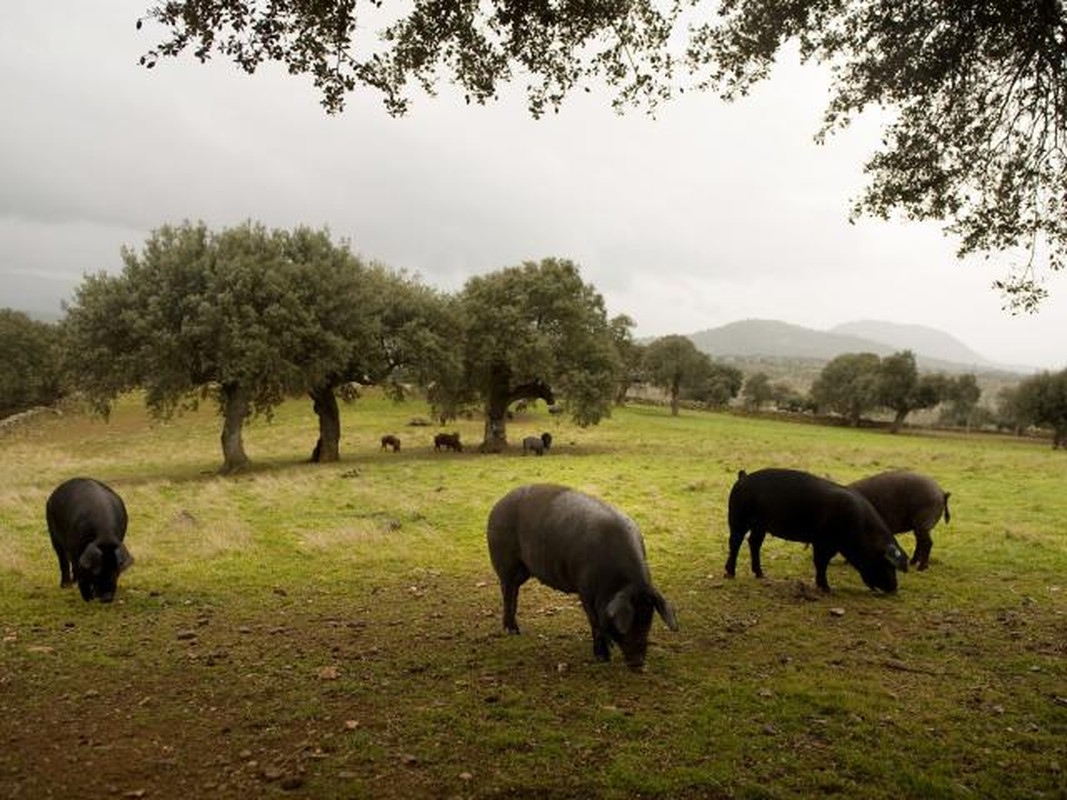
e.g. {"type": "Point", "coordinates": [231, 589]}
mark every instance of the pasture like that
{"type": "Point", "coordinates": [333, 631]}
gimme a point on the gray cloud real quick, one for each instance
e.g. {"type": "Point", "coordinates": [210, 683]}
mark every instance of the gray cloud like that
{"type": "Point", "coordinates": [707, 214]}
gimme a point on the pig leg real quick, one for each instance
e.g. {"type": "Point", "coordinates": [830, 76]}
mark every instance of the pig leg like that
{"type": "Point", "coordinates": [66, 569]}
{"type": "Point", "coordinates": [737, 535]}
{"type": "Point", "coordinates": [755, 542]}
{"type": "Point", "coordinates": [509, 587]}
{"type": "Point", "coordinates": [822, 554]}
{"type": "Point", "coordinates": [923, 544]}
{"type": "Point", "coordinates": [601, 642]}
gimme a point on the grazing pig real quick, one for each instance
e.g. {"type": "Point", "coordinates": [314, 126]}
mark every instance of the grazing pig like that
{"type": "Point", "coordinates": [907, 501]}
{"type": "Point", "coordinates": [87, 523]}
{"type": "Point", "coordinates": [802, 507]}
{"type": "Point", "coordinates": [579, 545]}
{"type": "Point", "coordinates": [447, 441]}
{"type": "Point", "coordinates": [391, 442]}
{"type": "Point", "coordinates": [537, 444]}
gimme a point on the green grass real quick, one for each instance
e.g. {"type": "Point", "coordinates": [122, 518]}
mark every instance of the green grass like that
{"type": "Point", "coordinates": [336, 628]}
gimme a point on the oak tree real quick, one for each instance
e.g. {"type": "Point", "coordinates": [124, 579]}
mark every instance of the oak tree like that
{"type": "Point", "coordinates": [536, 331]}
{"type": "Point", "coordinates": [674, 364]}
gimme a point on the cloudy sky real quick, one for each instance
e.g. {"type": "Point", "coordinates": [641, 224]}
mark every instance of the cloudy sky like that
{"type": "Point", "coordinates": [707, 214]}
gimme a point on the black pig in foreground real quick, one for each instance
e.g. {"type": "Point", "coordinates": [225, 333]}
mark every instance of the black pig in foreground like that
{"type": "Point", "coordinates": [801, 507]}
{"type": "Point", "coordinates": [579, 545]}
{"type": "Point", "coordinates": [87, 523]}
{"type": "Point", "coordinates": [907, 501]}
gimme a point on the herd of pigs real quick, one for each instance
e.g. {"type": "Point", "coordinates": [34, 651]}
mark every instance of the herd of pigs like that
{"type": "Point", "coordinates": [578, 544]}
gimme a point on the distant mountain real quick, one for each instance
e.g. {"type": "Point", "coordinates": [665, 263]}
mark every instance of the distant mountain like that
{"type": "Point", "coordinates": [753, 338]}
{"type": "Point", "coordinates": [931, 342]}
{"type": "Point", "coordinates": [765, 337]}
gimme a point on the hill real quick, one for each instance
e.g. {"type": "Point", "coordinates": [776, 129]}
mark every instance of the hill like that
{"type": "Point", "coordinates": [931, 342]}
{"type": "Point", "coordinates": [772, 339]}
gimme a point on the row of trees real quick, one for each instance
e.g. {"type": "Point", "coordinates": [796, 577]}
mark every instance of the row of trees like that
{"type": "Point", "coordinates": [249, 316]}
{"type": "Point", "coordinates": [854, 385]}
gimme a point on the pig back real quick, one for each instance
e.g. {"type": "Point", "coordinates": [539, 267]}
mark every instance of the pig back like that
{"type": "Point", "coordinates": [567, 540]}
{"type": "Point", "coordinates": [83, 510]}
{"type": "Point", "coordinates": [790, 504]}
{"type": "Point", "coordinates": [905, 500]}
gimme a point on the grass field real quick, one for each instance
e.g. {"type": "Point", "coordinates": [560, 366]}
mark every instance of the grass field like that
{"type": "Point", "coordinates": [334, 630]}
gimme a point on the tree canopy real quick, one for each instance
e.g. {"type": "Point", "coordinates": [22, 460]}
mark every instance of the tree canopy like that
{"type": "Point", "coordinates": [536, 331]}
{"type": "Point", "coordinates": [902, 390]}
{"type": "Point", "coordinates": [1041, 400]}
{"type": "Point", "coordinates": [977, 91]}
{"type": "Point", "coordinates": [673, 363]}
{"type": "Point", "coordinates": [848, 385]}
{"type": "Point", "coordinates": [246, 316]}
{"type": "Point", "coordinates": [29, 352]}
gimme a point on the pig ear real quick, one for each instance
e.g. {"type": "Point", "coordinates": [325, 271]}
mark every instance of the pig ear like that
{"type": "Point", "coordinates": [665, 610]}
{"type": "Point", "coordinates": [897, 557]}
{"type": "Point", "coordinates": [91, 559]}
{"type": "Point", "coordinates": [124, 558]}
{"type": "Point", "coordinates": [620, 611]}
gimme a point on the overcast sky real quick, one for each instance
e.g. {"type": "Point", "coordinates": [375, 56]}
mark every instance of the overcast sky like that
{"type": "Point", "coordinates": [708, 214]}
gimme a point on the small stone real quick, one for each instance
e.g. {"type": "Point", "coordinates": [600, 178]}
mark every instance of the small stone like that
{"type": "Point", "coordinates": [272, 773]}
{"type": "Point", "coordinates": [837, 611]}
{"type": "Point", "coordinates": [466, 776]}
{"type": "Point", "coordinates": [187, 635]}
{"type": "Point", "coordinates": [351, 724]}
{"type": "Point", "coordinates": [330, 673]}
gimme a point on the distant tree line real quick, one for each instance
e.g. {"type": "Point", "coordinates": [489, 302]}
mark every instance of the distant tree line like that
{"type": "Point", "coordinates": [247, 317]}
{"type": "Point", "coordinates": [854, 385]}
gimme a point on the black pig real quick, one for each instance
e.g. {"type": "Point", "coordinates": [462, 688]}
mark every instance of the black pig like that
{"type": "Point", "coordinates": [579, 545]}
{"type": "Point", "coordinates": [802, 507]}
{"type": "Point", "coordinates": [907, 501]}
{"type": "Point", "coordinates": [87, 523]}
{"type": "Point", "coordinates": [447, 441]}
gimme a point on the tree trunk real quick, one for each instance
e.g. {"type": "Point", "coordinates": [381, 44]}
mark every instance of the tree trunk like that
{"type": "Point", "coordinates": [676, 391]}
{"type": "Point", "coordinates": [234, 413]}
{"type": "Point", "coordinates": [898, 420]}
{"type": "Point", "coordinates": [502, 395]}
{"type": "Point", "coordinates": [328, 448]}
{"type": "Point", "coordinates": [495, 437]}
